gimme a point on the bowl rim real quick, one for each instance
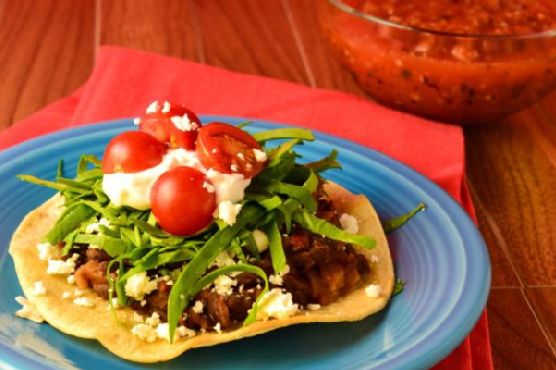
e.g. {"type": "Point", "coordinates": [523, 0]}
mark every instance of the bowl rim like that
{"type": "Point", "coordinates": [339, 4]}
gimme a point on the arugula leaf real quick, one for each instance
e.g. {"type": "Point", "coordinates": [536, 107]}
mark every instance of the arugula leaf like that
{"type": "Point", "coordinates": [399, 287]}
{"type": "Point", "coordinates": [399, 221]}
{"type": "Point", "coordinates": [302, 194]}
{"type": "Point", "coordinates": [326, 163]}
{"type": "Point", "coordinates": [283, 133]}
{"type": "Point", "coordinates": [277, 255]}
{"type": "Point", "coordinates": [321, 227]}
{"type": "Point", "coordinates": [70, 220]}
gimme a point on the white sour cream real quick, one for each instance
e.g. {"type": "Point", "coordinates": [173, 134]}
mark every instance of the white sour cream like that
{"type": "Point", "coordinates": [134, 189]}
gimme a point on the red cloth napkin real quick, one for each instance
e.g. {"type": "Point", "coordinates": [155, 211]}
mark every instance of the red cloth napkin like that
{"type": "Point", "coordinates": [125, 81]}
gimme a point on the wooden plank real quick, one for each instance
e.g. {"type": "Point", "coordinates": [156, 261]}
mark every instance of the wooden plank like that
{"type": "Point", "coordinates": [503, 273]}
{"type": "Point", "coordinates": [167, 27]}
{"type": "Point", "coordinates": [543, 301]}
{"type": "Point", "coordinates": [47, 51]}
{"type": "Point", "coordinates": [514, 177]}
{"type": "Point", "coordinates": [324, 68]}
{"type": "Point", "coordinates": [250, 36]}
{"type": "Point", "coordinates": [516, 338]}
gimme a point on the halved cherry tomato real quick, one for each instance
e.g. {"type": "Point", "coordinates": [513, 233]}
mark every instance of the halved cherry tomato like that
{"type": "Point", "coordinates": [181, 202]}
{"type": "Point", "coordinates": [161, 124]}
{"type": "Point", "coordinates": [132, 151]}
{"type": "Point", "coordinates": [228, 149]}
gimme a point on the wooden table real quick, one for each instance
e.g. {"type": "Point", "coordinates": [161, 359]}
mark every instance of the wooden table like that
{"type": "Point", "coordinates": [47, 49]}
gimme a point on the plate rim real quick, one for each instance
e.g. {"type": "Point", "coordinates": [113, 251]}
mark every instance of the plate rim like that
{"type": "Point", "coordinates": [435, 349]}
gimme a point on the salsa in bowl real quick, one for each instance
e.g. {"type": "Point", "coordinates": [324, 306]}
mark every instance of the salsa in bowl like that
{"type": "Point", "coordinates": [452, 61]}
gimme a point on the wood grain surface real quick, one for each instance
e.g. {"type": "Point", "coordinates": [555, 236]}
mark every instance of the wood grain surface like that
{"type": "Point", "coordinates": [47, 50]}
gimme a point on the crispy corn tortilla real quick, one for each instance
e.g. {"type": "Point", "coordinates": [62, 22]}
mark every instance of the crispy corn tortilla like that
{"type": "Point", "coordinates": [98, 322]}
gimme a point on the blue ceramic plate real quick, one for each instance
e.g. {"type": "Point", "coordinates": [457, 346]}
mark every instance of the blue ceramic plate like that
{"type": "Point", "coordinates": [440, 254]}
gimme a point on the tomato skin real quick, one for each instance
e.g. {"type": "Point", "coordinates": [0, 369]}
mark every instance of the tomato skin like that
{"type": "Point", "coordinates": [180, 203]}
{"type": "Point", "coordinates": [132, 151]}
{"type": "Point", "coordinates": [159, 124]}
{"type": "Point", "coordinates": [228, 149]}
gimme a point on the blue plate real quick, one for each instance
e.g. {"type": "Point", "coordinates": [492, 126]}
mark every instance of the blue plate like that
{"type": "Point", "coordinates": [440, 254]}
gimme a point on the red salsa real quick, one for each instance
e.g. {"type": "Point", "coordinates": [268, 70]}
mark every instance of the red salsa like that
{"type": "Point", "coordinates": [440, 68]}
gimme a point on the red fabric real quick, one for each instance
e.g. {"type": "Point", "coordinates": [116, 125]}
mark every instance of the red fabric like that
{"type": "Point", "coordinates": [125, 81]}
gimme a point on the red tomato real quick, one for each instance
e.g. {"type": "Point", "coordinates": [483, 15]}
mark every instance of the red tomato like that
{"type": "Point", "coordinates": [228, 149]}
{"type": "Point", "coordinates": [181, 202]}
{"type": "Point", "coordinates": [132, 151]}
{"type": "Point", "coordinates": [160, 124]}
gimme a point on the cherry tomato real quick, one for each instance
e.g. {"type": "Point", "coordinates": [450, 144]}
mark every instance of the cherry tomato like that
{"type": "Point", "coordinates": [132, 151]}
{"type": "Point", "coordinates": [181, 202]}
{"type": "Point", "coordinates": [173, 124]}
{"type": "Point", "coordinates": [228, 149]}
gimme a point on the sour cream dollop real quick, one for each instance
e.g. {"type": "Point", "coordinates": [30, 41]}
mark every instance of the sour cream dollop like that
{"type": "Point", "coordinates": [134, 189]}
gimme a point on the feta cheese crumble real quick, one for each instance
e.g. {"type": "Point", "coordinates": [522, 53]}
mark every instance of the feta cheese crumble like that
{"type": "Point", "coordinates": [198, 307]}
{"type": "Point", "coordinates": [260, 155]}
{"type": "Point", "coordinates": [61, 266]}
{"type": "Point", "coordinates": [39, 289]}
{"type": "Point", "coordinates": [84, 301]}
{"type": "Point", "coordinates": [374, 258]}
{"type": "Point", "coordinates": [223, 285]}
{"type": "Point", "coordinates": [71, 279]}
{"type": "Point", "coordinates": [185, 332]}
{"type": "Point", "coordinates": [372, 290]}
{"type": "Point", "coordinates": [228, 211]}
{"type": "Point", "coordinates": [145, 332]}
{"type": "Point", "coordinates": [313, 306]}
{"type": "Point", "coordinates": [139, 285]}
{"type": "Point", "coordinates": [66, 295]}
{"type": "Point", "coordinates": [276, 304]}
{"type": "Point", "coordinates": [349, 223]}
{"type": "Point", "coordinates": [183, 123]}
{"type": "Point", "coordinates": [94, 227]}
{"type": "Point", "coordinates": [163, 331]}
{"type": "Point", "coordinates": [47, 251]}
{"type": "Point", "coordinates": [223, 259]}
{"type": "Point", "coordinates": [261, 240]}
{"type": "Point", "coordinates": [28, 310]}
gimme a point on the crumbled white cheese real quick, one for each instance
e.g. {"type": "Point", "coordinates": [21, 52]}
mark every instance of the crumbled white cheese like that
{"type": "Point", "coordinates": [139, 285]}
{"type": "Point", "coordinates": [153, 320]}
{"type": "Point", "coordinates": [223, 259]}
{"type": "Point", "coordinates": [260, 155]}
{"type": "Point", "coordinates": [223, 285]}
{"type": "Point", "coordinates": [313, 306]}
{"type": "Point", "coordinates": [143, 303]}
{"type": "Point", "coordinates": [276, 304]}
{"type": "Point", "coordinates": [145, 332]}
{"type": "Point", "coordinates": [94, 227]}
{"type": "Point", "coordinates": [374, 258]}
{"type": "Point", "coordinates": [218, 328]}
{"type": "Point", "coordinates": [47, 251]}
{"type": "Point", "coordinates": [166, 106]}
{"type": "Point", "coordinates": [39, 289]}
{"type": "Point", "coordinates": [71, 279]}
{"type": "Point", "coordinates": [185, 332]}
{"type": "Point", "coordinates": [66, 295]}
{"type": "Point", "coordinates": [60, 266]}
{"type": "Point", "coordinates": [153, 107]}
{"type": "Point", "coordinates": [209, 187]}
{"type": "Point", "coordinates": [163, 331]}
{"type": "Point", "coordinates": [183, 123]}
{"type": "Point", "coordinates": [138, 317]}
{"type": "Point", "coordinates": [240, 156]}
{"type": "Point", "coordinates": [28, 310]}
{"type": "Point", "coordinates": [261, 240]}
{"type": "Point", "coordinates": [349, 223]}
{"type": "Point", "coordinates": [228, 211]}
{"type": "Point", "coordinates": [78, 292]}
{"type": "Point", "coordinates": [137, 121]}
{"type": "Point", "coordinates": [198, 307]}
{"type": "Point", "coordinates": [84, 301]}
{"type": "Point", "coordinates": [278, 278]}
{"type": "Point", "coordinates": [228, 186]}
{"type": "Point", "coordinates": [372, 290]}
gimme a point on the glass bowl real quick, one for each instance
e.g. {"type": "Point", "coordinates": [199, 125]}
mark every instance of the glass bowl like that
{"type": "Point", "coordinates": [448, 77]}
